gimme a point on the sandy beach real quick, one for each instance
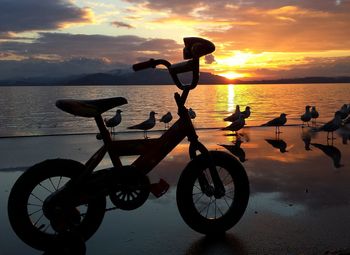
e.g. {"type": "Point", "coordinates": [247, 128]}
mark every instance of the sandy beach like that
{"type": "Point", "coordinates": [299, 201]}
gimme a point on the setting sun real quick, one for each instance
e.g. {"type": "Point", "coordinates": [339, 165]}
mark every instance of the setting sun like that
{"type": "Point", "coordinates": [232, 75]}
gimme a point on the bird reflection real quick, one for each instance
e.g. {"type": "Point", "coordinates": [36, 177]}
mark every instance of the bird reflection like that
{"type": "Point", "coordinates": [331, 151]}
{"type": "Point", "coordinates": [278, 144]}
{"type": "Point", "coordinates": [306, 137]}
{"type": "Point", "coordinates": [236, 149]}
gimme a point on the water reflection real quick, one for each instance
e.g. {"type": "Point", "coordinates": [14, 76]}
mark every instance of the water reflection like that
{"type": "Point", "coordinates": [331, 151]}
{"type": "Point", "coordinates": [306, 137]}
{"type": "Point", "coordinates": [219, 244]}
{"type": "Point", "coordinates": [236, 149]}
{"type": "Point", "coordinates": [69, 243]}
{"type": "Point", "coordinates": [278, 144]}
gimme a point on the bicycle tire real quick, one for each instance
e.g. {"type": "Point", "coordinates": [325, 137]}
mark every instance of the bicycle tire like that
{"type": "Point", "coordinates": [186, 194]}
{"type": "Point", "coordinates": [21, 193]}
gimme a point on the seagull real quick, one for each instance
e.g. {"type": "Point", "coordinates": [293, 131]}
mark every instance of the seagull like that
{"type": "Point", "coordinates": [192, 113]}
{"type": "Point", "coordinates": [306, 117]}
{"type": "Point", "coordinates": [147, 124]}
{"type": "Point", "coordinates": [234, 116]}
{"type": "Point", "coordinates": [236, 125]}
{"type": "Point", "coordinates": [114, 121]}
{"type": "Point", "coordinates": [246, 112]}
{"type": "Point", "coordinates": [314, 113]}
{"type": "Point", "coordinates": [344, 111]}
{"type": "Point", "coordinates": [277, 122]}
{"type": "Point", "coordinates": [166, 119]}
{"type": "Point", "coordinates": [332, 125]}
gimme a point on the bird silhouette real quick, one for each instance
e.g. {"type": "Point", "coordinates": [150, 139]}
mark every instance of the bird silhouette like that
{"type": "Point", "coordinates": [234, 116]}
{"type": "Point", "coordinates": [331, 151]}
{"type": "Point", "coordinates": [278, 144]}
{"type": "Point", "coordinates": [332, 125]}
{"type": "Point", "coordinates": [236, 150]}
{"type": "Point", "coordinates": [166, 119]}
{"type": "Point", "coordinates": [114, 121]}
{"type": "Point", "coordinates": [306, 117]}
{"type": "Point", "coordinates": [277, 122]}
{"type": "Point", "coordinates": [192, 113]}
{"type": "Point", "coordinates": [344, 112]}
{"type": "Point", "coordinates": [314, 114]}
{"type": "Point", "coordinates": [147, 124]}
{"type": "Point", "coordinates": [246, 112]}
{"type": "Point", "coordinates": [236, 125]}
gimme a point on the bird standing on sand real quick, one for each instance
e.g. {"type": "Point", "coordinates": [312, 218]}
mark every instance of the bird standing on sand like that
{"type": "Point", "coordinates": [236, 125]}
{"type": "Point", "coordinates": [277, 122]}
{"type": "Point", "coordinates": [192, 113]}
{"type": "Point", "coordinates": [314, 114]}
{"type": "Point", "coordinates": [147, 124]}
{"type": "Point", "coordinates": [246, 112]}
{"type": "Point", "coordinates": [234, 116]}
{"type": "Point", "coordinates": [114, 121]}
{"type": "Point", "coordinates": [166, 119]}
{"type": "Point", "coordinates": [332, 125]}
{"type": "Point", "coordinates": [306, 117]}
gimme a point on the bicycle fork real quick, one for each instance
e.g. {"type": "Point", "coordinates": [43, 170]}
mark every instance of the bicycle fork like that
{"type": "Point", "coordinates": [218, 189]}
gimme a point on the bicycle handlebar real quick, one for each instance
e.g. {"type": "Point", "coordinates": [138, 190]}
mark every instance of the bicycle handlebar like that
{"type": "Point", "coordinates": [174, 70]}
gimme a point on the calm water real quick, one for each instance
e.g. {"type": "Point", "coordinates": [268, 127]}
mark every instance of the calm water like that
{"type": "Point", "coordinates": [32, 111]}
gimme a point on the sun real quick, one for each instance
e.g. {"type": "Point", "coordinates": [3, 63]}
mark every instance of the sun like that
{"type": "Point", "coordinates": [232, 75]}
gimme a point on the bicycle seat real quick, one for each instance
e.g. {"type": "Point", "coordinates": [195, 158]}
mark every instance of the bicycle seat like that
{"type": "Point", "coordinates": [196, 47]}
{"type": "Point", "coordinates": [89, 108]}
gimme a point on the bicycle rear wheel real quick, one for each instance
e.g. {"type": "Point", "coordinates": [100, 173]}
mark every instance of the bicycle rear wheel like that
{"type": "Point", "coordinates": [25, 204]}
{"type": "Point", "coordinates": [199, 207]}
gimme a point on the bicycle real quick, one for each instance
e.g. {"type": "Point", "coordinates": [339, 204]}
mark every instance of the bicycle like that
{"type": "Point", "coordinates": [212, 191]}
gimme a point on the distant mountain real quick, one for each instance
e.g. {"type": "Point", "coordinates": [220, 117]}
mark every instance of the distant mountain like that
{"type": "Point", "coordinates": [144, 77]}
{"type": "Point", "coordinates": [156, 77]}
{"type": "Point", "coordinates": [345, 79]}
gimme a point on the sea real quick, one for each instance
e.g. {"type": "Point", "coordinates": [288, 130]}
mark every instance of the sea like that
{"type": "Point", "coordinates": [31, 110]}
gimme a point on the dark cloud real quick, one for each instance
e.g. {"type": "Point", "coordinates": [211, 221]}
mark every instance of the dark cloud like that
{"type": "Point", "coordinates": [104, 52]}
{"type": "Point", "coordinates": [121, 24]}
{"type": "Point", "coordinates": [34, 15]}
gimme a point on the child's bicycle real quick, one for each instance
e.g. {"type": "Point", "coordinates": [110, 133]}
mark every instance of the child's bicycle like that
{"type": "Point", "coordinates": [62, 195]}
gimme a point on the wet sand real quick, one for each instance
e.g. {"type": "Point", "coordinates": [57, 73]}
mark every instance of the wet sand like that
{"type": "Point", "coordinates": [299, 201]}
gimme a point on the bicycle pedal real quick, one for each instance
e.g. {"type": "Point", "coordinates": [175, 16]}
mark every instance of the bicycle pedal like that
{"type": "Point", "coordinates": [160, 188]}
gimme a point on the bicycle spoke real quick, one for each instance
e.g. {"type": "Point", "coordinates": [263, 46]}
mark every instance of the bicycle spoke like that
{"type": "Point", "coordinates": [36, 197]}
{"type": "Point", "coordinates": [52, 183]}
{"type": "Point", "coordinates": [38, 220]}
{"type": "Point", "coordinates": [34, 212]}
{"type": "Point", "coordinates": [199, 198]}
{"type": "Point", "coordinates": [59, 182]}
{"type": "Point", "coordinates": [45, 188]}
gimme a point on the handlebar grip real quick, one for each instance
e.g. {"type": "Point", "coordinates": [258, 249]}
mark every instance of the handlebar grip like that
{"type": "Point", "coordinates": [144, 65]}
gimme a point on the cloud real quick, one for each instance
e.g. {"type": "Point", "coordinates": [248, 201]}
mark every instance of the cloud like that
{"type": "Point", "coordinates": [326, 67]}
{"type": "Point", "coordinates": [121, 24]}
{"type": "Point", "coordinates": [259, 26]}
{"type": "Point", "coordinates": [209, 59]}
{"type": "Point", "coordinates": [61, 48]}
{"type": "Point", "coordinates": [38, 15]}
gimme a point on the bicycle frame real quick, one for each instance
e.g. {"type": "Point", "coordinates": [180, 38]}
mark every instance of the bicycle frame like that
{"type": "Point", "coordinates": [150, 151]}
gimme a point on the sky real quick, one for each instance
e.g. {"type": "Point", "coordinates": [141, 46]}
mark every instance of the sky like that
{"type": "Point", "coordinates": [255, 39]}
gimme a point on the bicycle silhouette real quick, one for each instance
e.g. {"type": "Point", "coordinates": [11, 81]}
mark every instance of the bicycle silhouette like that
{"type": "Point", "coordinates": [62, 195]}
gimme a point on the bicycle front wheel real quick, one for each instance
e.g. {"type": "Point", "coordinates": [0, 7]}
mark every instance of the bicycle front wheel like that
{"type": "Point", "coordinates": [26, 200]}
{"type": "Point", "coordinates": [202, 210]}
